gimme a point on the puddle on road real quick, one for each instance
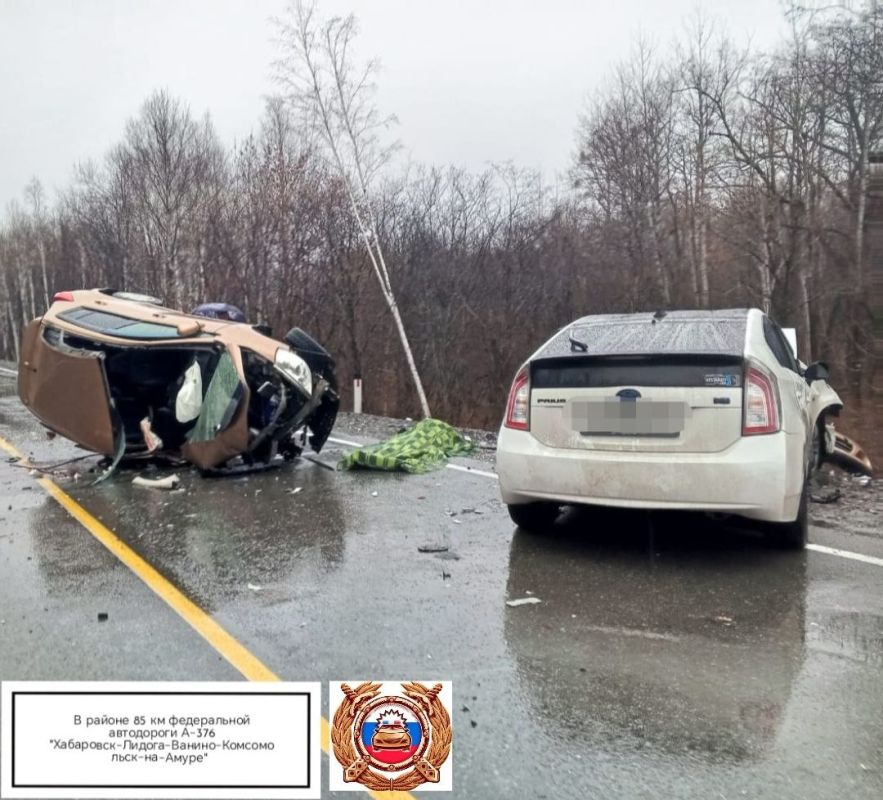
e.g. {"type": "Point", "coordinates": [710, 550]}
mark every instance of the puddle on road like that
{"type": "Point", "coordinates": [217, 536]}
{"type": "Point", "coordinates": [683, 645]}
{"type": "Point", "coordinates": [849, 634]}
{"type": "Point", "coordinates": [687, 640]}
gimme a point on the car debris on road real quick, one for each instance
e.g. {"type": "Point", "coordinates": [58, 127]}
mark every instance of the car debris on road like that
{"type": "Point", "coordinates": [432, 548]}
{"type": "Point", "coordinates": [169, 482]}
{"type": "Point", "coordinates": [523, 601]}
{"type": "Point", "coordinates": [846, 453]}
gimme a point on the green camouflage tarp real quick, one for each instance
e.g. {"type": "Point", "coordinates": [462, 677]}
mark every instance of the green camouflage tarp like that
{"type": "Point", "coordinates": [424, 447]}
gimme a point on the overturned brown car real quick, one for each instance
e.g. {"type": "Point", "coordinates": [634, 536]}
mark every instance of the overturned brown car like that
{"type": "Point", "coordinates": [123, 376]}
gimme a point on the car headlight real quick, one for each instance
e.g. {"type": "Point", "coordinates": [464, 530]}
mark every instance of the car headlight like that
{"type": "Point", "coordinates": [293, 367]}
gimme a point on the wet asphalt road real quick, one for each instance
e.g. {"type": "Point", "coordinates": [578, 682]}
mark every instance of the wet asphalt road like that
{"type": "Point", "coordinates": [669, 657]}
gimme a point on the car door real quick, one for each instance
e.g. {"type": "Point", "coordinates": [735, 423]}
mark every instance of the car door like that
{"type": "Point", "coordinates": [221, 429]}
{"type": "Point", "coordinates": [66, 388]}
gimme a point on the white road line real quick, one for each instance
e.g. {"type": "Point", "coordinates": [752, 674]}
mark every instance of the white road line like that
{"type": "Point", "coordinates": [833, 551]}
{"type": "Point", "coordinates": [471, 471]}
{"type": "Point", "coordinates": [457, 467]}
{"type": "Point", "coordinates": [346, 442]}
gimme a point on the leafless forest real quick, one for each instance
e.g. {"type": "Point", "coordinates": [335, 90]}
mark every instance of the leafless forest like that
{"type": "Point", "coordinates": [702, 176]}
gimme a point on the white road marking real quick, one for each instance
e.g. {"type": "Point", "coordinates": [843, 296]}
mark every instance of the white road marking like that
{"type": "Point", "coordinates": [834, 551]}
{"type": "Point", "coordinates": [483, 473]}
{"type": "Point", "coordinates": [346, 442]}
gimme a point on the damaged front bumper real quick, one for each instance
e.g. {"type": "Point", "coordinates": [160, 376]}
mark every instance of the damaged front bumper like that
{"type": "Point", "coordinates": [845, 452]}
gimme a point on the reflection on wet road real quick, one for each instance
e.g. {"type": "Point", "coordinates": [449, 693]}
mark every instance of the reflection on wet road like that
{"type": "Point", "coordinates": [671, 643]}
{"type": "Point", "coordinates": [669, 656]}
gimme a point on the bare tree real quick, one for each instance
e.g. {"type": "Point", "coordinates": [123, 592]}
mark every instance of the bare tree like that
{"type": "Point", "coordinates": [334, 97]}
{"type": "Point", "coordinates": [175, 162]}
{"type": "Point", "coordinates": [624, 166]}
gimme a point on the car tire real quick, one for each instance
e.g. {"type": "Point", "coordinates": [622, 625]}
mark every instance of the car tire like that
{"type": "Point", "coordinates": [535, 517]}
{"type": "Point", "coordinates": [794, 535]}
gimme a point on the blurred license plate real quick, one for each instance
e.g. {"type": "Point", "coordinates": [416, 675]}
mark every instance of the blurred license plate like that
{"type": "Point", "coordinates": [639, 417]}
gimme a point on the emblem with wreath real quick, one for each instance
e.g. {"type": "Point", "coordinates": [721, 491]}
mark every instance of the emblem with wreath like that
{"type": "Point", "coordinates": [427, 708]}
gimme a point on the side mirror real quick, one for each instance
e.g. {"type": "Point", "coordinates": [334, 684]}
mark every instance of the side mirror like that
{"type": "Point", "coordinates": [817, 371]}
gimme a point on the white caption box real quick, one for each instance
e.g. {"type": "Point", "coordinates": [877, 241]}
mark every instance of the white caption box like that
{"type": "Point", "coordinates": [160, 740]}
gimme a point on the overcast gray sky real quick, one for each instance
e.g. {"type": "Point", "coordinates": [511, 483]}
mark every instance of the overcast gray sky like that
{"type": "Point", "coordinates": [470, 81]}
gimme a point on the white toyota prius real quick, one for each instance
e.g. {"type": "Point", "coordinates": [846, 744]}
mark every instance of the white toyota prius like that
{"type": "Point", "coordinates": [696, 410]}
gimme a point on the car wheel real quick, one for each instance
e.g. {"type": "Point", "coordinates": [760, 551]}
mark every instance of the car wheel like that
{"type": "Point", "coordinates": [535, 517]}
{"type": "Point", "coordinates": [794, 535]}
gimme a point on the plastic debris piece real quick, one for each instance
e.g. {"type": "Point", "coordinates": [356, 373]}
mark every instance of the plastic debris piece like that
{"type": "Point", "coordinates": [523, 601]}
{"type": "Point", "coordinates": [151, 440]}
{"type": "Point", "coordinates": [432, 548]}
{"type": "Point", "coordinates": [117, 457]}
{"type": "Point", "coordinates": [254, 587]}
{"type": "Point", "coordinates": [169, 482]}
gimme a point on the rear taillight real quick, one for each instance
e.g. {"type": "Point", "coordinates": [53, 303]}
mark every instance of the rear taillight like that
{"type": "Point", "coordinates": [518, 405]}
{"type": "Point", "coordinates": [66, 297]}
{"type": "Point", "coordinates": [760, 405]}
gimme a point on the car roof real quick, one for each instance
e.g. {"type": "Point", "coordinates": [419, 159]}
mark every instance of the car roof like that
{"type": "Point", "coordinates": [223, 331]}
{"type": "Point", "coordinates": [701, 331]}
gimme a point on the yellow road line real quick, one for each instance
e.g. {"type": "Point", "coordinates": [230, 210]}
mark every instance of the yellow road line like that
{"type": "Point", "coordinates": [240, 657]}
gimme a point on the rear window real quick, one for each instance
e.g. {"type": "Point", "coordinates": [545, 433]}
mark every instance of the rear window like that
{"type": "Point", "coordinates": [674, 332]}
{"type": "Point", "coordinates": [590, 373]}
{"type": "Point", "coordinates": [115, 325]}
